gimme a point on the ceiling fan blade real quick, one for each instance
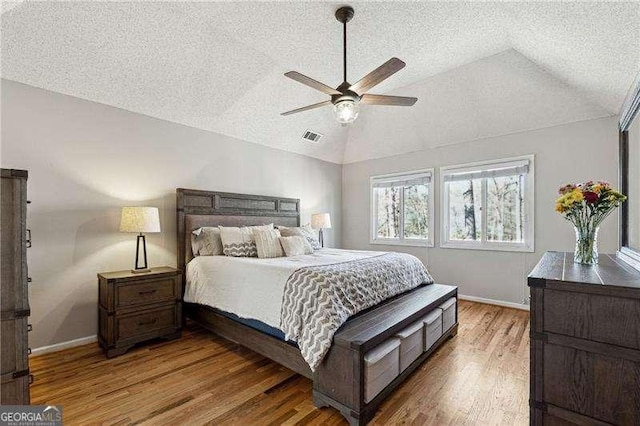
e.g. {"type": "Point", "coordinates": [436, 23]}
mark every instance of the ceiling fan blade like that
{"type": "Point", "coordinates": [387, 100]}
{"type": "Point", "coordinates": [308, 107]}
{"type": "Point", "coordinates": [376, 76]}
{"type": "Point", "coordinates": [308, 81]}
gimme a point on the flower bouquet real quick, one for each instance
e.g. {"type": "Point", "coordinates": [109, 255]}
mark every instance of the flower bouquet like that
{"type": "Point", "coordinates": [586, 205]}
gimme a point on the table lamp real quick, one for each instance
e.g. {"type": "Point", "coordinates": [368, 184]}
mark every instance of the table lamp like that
{"type": "Point", "coordinates": [321, 221]}
{"type": "Point", "coordinates": [140, 219]}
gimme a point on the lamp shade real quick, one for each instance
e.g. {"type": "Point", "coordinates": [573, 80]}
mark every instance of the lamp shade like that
{"type": "Point", "coordinates": [140, 219]}
{"type": "Point", "coordinates": [321, 221]}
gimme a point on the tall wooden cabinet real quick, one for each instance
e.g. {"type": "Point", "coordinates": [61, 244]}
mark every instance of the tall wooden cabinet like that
{"type": "Point", "coordinates": [585, 342]}
{"type": "Point", "coordinates": [14, 300]}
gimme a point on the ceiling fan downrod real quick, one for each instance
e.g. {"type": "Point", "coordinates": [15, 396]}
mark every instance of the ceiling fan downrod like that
{"type": "Point", "coordinates": [344, 15]}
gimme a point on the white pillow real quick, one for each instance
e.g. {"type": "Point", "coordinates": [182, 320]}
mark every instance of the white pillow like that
{"type": "Point", "coordinates": [239, 242]}
{"type": "Point", "coordinates": [296, 245]}
{"type": "Point", "coordinates": [206, 241]}
{"type": "Point", "coordinates": [268, 243]}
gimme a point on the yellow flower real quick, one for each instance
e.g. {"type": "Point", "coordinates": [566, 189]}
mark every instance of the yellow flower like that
{"type": "Point", "coordinates": [597, 188]}
{"type": "Point", "coordinates": [577, 196]}
{"type": "Point", "coordinates": [560, 208]}
{"type": "Point", "coordinates": [570, 198]}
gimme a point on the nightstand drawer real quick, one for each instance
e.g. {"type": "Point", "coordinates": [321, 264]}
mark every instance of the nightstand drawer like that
{"type": "Point", "coordinates": [145, 292]}
{"type": "Point", "coordinates": [148, 322]}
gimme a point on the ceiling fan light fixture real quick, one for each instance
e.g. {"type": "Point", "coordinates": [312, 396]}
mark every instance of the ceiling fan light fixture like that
{"type": "Point", "coordinates": [346, 110]}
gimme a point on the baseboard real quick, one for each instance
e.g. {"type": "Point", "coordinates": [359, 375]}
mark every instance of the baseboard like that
{"type": "Point", "coordinates": [520, 306]}
{"type": "Point", "coordinates": [91, 339]}
{"type": "Point", "coordinates": [64, 345]}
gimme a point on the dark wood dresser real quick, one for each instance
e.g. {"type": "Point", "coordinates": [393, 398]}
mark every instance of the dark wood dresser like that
{"type": "Point", "coordinates": [14, 300]}
{"type": "Point", "coordinates": [585, 342]}
{"type": "Point", "coordinates": [138, 307]}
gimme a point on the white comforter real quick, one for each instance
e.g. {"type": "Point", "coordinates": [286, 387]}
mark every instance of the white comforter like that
{"type": "Point", "coordinates": [250, 287]}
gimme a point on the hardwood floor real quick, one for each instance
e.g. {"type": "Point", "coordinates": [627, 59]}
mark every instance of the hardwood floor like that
{"type": "Point", "coordinates": [481, 376]}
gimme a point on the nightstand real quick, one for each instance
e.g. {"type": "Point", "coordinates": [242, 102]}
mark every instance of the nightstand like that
{"type": "Point", "coordinates": [133, 308]}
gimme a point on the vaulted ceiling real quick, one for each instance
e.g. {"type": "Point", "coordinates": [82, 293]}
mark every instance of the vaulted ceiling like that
{"type": "Point", "coordinates": [479, 69]}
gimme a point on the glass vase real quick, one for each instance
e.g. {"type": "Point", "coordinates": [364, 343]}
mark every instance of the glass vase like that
{"type": "Point", "coordinates": [586, 245]}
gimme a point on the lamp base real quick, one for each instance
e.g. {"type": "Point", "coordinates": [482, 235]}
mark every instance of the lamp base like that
{"type": "Point", "coordinates": [144, 268]}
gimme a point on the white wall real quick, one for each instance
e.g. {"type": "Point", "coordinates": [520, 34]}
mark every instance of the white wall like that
{"type": "Point", "coordinates": [86, 160]}
{"type": "Point", "coordinates": [568, 153]}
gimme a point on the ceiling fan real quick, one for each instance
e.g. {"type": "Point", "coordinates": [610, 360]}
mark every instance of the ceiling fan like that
{"type": "Point", "coordinates": [347, 97]}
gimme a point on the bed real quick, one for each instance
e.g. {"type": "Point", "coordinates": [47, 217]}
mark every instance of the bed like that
{"type": "Point", "coordinates": [241, 299]}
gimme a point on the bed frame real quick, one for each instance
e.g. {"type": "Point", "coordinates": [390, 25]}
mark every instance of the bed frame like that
{"type": "Point", "coordinates": [339, 381]}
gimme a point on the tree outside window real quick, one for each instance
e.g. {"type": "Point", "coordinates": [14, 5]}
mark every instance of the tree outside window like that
{"type": "Point", "coordinates": [489, 205]}
{"type": "Point", "coordinates": [402, 208]}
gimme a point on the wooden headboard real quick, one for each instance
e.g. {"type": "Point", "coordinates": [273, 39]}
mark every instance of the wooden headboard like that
{"type": "Point", "coordinates": [197, 208]}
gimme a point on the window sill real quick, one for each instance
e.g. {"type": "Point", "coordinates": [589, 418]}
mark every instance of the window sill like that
{"type": "Point", "coordinates": [405, 243]}
{"type": "Point", "coordinates": [519, 248]}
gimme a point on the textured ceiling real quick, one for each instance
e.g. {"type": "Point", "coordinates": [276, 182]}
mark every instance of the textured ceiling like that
{"type": "Point", "coordinates": [504, 93]}
{"type": "Point", "coordinates": [218, 65]}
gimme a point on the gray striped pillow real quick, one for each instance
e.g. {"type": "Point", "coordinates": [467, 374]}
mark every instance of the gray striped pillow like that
{"type": "Point", "coordinates": [268, 243]}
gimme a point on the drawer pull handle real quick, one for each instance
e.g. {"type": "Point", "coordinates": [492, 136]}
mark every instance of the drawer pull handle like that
{"type": "Point", "coordinates": [153, 321]}
{"type": "Point", "coordinates": [29, 327]}
{"type": "Point", "coordinates": [28, 351]}
{"type": "Point", "coordinates": [146, 293]}
{"type": "Point", "coordinates": [29, 279]}
{"type": "Point", "coordinates": [28, 242]}
{"type": "Point", "coordinates": [30, 379]}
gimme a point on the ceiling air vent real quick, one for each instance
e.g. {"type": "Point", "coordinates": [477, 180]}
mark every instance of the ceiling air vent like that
{"type": "Point", "coordinates": [312, 137]}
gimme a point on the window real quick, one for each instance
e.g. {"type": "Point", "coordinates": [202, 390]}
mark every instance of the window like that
{"type": "Point", "coordinates": [402, 209]}
{"type": "Point", "coordinates": [488, 205]}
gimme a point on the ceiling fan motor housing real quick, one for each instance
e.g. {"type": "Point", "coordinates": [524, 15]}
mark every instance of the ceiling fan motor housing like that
{"type": "Point", "coordinates": [346, 94]}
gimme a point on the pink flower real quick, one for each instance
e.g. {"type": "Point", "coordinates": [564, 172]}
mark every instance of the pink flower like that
{"type": "Point", "coordinates": [567, 188]}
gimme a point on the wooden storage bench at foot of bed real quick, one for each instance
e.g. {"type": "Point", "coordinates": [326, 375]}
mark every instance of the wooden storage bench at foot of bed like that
{"type": "Point", "coordinates": [366, 361]}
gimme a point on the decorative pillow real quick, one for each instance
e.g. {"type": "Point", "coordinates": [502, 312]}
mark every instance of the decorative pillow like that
{"type": "Point", "coordinates": [268, 243]}
{"type": "Point", "coordinates": [239, 242]}
{"type": "Point", "coordinates": [302, 231]}
{"type": "Point", "coordinates": [206, 241]}
{"type": "Point", "coordinates": [296, 245]}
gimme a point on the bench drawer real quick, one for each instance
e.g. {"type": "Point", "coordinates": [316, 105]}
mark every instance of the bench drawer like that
{"type": "Point", "coordinates": [432, 328]}
{"type": "Point", "coordinates": [382, 365]}
{"type": "Point", "coordinates": [448, 314]}
{"type": "Point", "coordinates": [411, 344]}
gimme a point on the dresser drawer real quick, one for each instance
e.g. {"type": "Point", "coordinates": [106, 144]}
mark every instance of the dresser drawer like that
{"type": "Point", "coordinates": [13, 337]}
{"type": "Point", "coordinates": [145, 292]}
{"type": "Point", "coordinates": [604, 319]}
{"type": "Point", "coordinates": [14, 390]}
{"type": "Point", "coordinates": [147, 323]}
{"type": "Point", "coordinates": [596, 385]}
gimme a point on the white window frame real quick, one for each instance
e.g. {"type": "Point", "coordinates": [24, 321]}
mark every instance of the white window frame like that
{"type": "Point", "coordinates": [373, 216]}
{"type": "Point", "coordinates": [529, 208]}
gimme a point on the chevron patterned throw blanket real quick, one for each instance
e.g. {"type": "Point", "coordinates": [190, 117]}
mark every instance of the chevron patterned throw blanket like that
{"type": "Point", "coordinates": [319, 299]}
